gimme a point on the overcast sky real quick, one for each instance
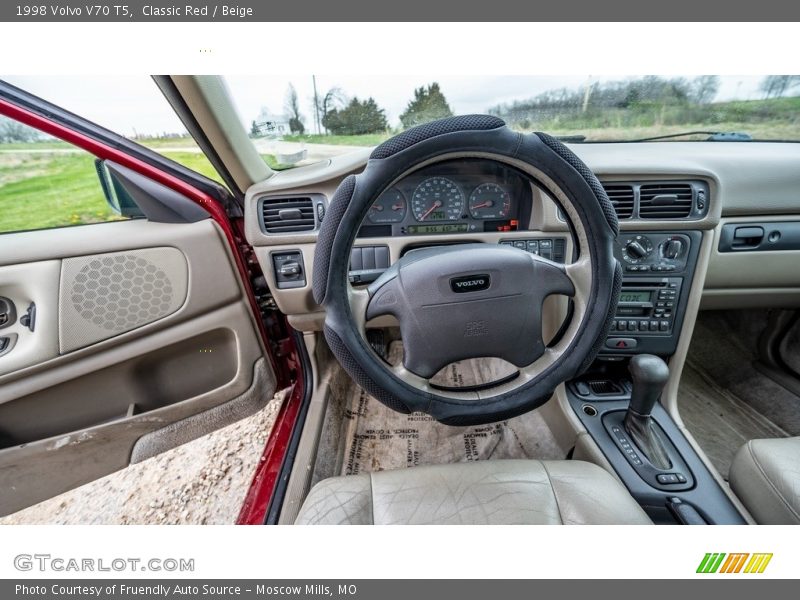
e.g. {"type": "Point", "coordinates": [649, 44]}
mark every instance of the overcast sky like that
{"type": "Point", "coordinates": [132, 104]}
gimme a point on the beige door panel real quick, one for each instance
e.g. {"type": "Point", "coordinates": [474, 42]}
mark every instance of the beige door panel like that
{"type": "Point", "coordinates": [144, 340]}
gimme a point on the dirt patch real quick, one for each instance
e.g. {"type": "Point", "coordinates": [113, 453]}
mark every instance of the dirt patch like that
{"type": "Point", "coordinates": [202, 482]}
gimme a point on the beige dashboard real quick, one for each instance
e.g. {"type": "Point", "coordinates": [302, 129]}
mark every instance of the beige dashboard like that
{"type": "Point", "coordinates": [745, 181]}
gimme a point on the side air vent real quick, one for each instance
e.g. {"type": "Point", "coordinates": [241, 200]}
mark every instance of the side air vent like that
{"type": "Point", "coordinates": [289, 214]}
{"type": "Point", "coordinates": [621, 196]}
{"type": "Point", "coordinates": [665, 201]}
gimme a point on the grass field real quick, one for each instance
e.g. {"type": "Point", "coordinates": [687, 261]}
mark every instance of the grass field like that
{"type": "Point", "coordinates": [49, 184]}
{"type": "Point", "coordinates": [370, 139]}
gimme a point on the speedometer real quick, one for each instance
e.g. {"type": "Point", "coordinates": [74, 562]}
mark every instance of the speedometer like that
{"type": "Point", "coordinates": [437, 199]}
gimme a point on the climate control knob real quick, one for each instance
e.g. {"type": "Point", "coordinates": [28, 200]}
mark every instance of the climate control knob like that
{"type": "Point", "coordinates": [671, 248]}
{"type": "Point", "coordinates": [637, 249]}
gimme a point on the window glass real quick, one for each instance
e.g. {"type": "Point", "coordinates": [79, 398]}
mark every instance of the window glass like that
{"type": "Point", "coordinates": [45, 182]}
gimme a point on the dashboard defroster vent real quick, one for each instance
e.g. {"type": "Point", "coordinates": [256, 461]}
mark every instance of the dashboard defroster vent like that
{"type": "Point", "coordinates": [287, 214]}
{"type": "Point", "coordinates": [621, 196]}
{"type": "Point", "coordinates": [665, 201]}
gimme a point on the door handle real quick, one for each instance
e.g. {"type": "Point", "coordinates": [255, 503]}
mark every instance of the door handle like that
{"type": "Point", "coordinates": [8, 313]}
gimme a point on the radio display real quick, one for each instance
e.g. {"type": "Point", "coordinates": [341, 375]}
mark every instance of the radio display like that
{"type": "Point", "coordinates": [441, 228]}
{"type": "Point", "coordinates": [635, 296]}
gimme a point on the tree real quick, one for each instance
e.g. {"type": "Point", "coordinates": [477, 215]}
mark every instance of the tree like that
{"type": "Point", "coordinates": [292, 108]}
{"type": "Point", "coordinates": [427, 105]}
{"type": "Point", "coordinates": [14, 131]}
{"type": "Point", "coordinates": [705, 88]}
{"type": "Point", "coordinates": [775, 86]}
{"type": "Point", "coordinates": [328, 102]}
{"type": "Point", "coordinates": [356, 118]}
{"type": "Point", "coordinates": [254, 131]}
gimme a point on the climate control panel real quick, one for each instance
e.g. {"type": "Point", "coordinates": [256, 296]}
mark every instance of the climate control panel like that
{"type": "Point", "coordinates": [654, 252]}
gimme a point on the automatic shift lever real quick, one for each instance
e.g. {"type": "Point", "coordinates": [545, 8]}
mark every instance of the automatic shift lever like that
{"type": "Point", "coordinates": [649, 374]}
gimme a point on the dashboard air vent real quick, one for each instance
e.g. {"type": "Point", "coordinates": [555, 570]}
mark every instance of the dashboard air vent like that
{"type": "Point", "coordinates": [288, 215]}
{"type": "Point", "coordinates": [621, 196]}
{"type": "Point", "coordinates": [665, 201]}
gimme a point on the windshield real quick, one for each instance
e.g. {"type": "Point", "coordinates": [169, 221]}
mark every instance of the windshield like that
{"type": "Point", "coordinates": [303, 119]}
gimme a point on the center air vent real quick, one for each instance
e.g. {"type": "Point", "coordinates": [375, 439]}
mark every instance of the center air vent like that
{"type": "Point", "coordinates": [665, 201]}
{"type": "Point", "coordinates": [621, 196]}
{"type": "Point", "coordinates": [288, 214]}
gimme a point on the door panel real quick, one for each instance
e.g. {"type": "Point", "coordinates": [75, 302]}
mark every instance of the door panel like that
{"type": "Point", "coordinates": [144, 339]}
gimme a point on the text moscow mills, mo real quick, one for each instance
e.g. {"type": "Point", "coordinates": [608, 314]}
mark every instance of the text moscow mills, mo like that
{"type": "Point", "coordinates": [184, 590]}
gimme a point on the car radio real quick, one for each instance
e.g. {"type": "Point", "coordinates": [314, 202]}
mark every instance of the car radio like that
{"type": "Point", "coordinates": [647, 305]}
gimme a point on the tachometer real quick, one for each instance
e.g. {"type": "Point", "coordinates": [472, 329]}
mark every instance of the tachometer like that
{"type": "Point", "coordinates": [489, 201]}
{"type": "Point", "coordinates": [390, 207]}
{"type": "Point", "coordinates": [437, 199]}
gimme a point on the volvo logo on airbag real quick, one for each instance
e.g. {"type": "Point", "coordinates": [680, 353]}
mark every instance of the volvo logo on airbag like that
{"type": "Point", "coordinates": [469, 283]}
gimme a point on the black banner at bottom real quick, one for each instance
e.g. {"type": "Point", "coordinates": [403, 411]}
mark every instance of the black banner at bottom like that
{"type": "Point", "coordinates": [369, 589]}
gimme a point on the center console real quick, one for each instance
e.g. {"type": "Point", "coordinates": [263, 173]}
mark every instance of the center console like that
{"type": "Point", "coordinates": [616, 400]}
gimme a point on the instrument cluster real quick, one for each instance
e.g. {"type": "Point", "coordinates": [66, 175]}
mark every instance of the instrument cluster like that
{"type": "Point", "coordinates": [457, 196]}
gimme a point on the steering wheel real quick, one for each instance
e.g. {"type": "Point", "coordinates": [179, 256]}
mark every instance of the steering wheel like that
{"type": "Point", "coordinates": [474, 300]}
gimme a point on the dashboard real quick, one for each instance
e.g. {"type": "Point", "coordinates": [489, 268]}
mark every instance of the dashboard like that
{"type": "Point", "coordinates": [452, 197]}
{"type": "Point", "coordinates": [753, 184]}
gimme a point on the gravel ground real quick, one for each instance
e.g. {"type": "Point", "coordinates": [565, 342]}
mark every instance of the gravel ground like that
{"type": "Point", "coordinates": [202, 482]}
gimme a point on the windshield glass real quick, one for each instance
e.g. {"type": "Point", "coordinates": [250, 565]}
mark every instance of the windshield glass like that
{"type": "Point", "coordinates": [297, 120]}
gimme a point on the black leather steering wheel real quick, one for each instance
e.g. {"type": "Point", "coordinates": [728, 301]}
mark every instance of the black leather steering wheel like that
{"type": "Point", "coordinates": [474, 300]}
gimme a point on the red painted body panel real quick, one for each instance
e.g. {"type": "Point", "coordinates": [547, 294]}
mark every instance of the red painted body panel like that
{"type": "Point", "coordinates": [256, 503]}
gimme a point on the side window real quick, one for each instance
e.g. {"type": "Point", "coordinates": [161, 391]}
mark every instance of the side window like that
{"type": "Point", "coordinates": [46, 183]}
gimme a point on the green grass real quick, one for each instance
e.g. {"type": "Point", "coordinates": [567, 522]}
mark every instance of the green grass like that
{"type": "Point", "coordinates": [369, 139]}
{"type": "Point", "coordinates": [43, 186]}
{"type": "Point", "coordinates": [50, 190]}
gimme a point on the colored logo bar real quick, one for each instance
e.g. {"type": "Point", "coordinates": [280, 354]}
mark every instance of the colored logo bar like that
{"type": "Point", "coordinates": [737, 562]}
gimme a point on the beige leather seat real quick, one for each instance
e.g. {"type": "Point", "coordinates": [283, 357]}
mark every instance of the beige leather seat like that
{"type": "Point", "coordinates": [765, 475]}
{"type": "Point", "coordinates": [491, 492]}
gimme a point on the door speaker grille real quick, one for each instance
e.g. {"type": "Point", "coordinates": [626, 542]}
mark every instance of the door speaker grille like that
{"type": "Point", "coordinates": [107, 294]}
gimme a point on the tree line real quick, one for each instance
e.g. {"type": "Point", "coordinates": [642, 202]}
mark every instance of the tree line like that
{"type": "Point", "coordinates": [339, 114]}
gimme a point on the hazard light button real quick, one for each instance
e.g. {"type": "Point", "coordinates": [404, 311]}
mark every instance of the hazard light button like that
{"type": "Point", "coordinates": [621, 343]}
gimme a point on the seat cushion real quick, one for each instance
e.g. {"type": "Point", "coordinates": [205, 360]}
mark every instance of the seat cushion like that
{"type": "Point", "coordinates": [490, 492]}
{"type": "Point", "coordinates": [765, 475]}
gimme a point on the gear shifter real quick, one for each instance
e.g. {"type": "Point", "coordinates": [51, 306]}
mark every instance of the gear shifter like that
{"type": "Point", "coordinates": [649, 374]}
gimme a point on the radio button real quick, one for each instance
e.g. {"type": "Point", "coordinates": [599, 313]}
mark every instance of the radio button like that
{"type": "Point", "coordinates": [631, 325]}
{"type": "Point", "coordinates": [663, 326]}
{"type": "Point", "coordinates": [653, 325]}
{"type": "Point", "coordinates": [642, 325]}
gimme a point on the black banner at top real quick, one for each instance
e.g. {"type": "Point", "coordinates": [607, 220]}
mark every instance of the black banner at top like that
{"type": "Point", "coordinates": [264, 11]}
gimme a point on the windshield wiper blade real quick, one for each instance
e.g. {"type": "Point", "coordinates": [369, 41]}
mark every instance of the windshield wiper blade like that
{"type": "Point", "coordinates": [713, 136]}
